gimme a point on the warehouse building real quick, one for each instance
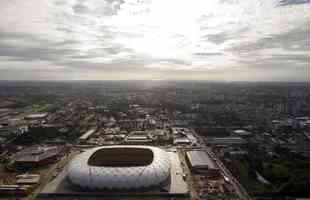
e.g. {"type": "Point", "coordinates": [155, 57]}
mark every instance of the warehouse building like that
{"type": "Point", "coordinates": [137, 140]}
{"type": "Point", "coordinates": [28, 179]}
{"type": "Point", "coordinates": [231, 140]}
{"type": "Point", "coordinates": [38, 116]}
{"type": "Point", "coordinates": [36, 156]}
{"type": "Point", "coordinates": [200, 162]}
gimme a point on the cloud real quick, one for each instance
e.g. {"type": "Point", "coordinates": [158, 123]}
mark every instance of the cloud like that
{"type": "Point", "coordinates": [173, 39]}
{"type": "Point", "coordinates": [27, 47]}
{"type": "Point", "coordinates": [293, 2]}
{"type": "Point", "coordinates": [80, 8]}
{"type": "Point", "coordinates": [107, 7]}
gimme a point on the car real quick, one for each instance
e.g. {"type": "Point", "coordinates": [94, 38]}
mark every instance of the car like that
{"type": "Point", "coordinates": [226, 179]}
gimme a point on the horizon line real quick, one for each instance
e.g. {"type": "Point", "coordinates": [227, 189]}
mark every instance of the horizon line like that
{"type": "Point", "coordinates": [155, 80]}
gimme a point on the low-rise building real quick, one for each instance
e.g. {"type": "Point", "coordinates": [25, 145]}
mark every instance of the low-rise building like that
{"type": "Point", "coordinates": [28, 179]}
{"type": "Point", "coordinates": [137, 140]}
{"type": "Point", "coordinates": [86, 135]}
{"type": "Point", "coordinates": [231, 140]}
{"type": "Point", "coordinates": [200, 162]}
{"type": "Point", "coordinates": [242, 133]}
{"type": "Point", "coordinates": [36, 156]}
{"type": "Point", "coordinates": [181, 141]}
{"type": "Point", "coordinates": [38, 116]}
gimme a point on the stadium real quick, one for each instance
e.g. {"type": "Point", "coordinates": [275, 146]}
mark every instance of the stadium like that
{"type": "Point", "coordinates": [120, 168]}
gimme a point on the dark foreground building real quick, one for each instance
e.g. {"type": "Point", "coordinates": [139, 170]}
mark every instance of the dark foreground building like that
{"type": "Point", "coordinates": [36, 156]}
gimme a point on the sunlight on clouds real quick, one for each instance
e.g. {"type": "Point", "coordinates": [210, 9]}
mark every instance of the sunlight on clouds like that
{"type": "Point", "coordinates": [172, 35]}
{"type": "Point", "coordinates": [180, 29]}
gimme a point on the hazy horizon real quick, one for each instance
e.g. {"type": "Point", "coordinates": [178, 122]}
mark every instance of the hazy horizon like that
{"type": "Point", "coordinates": [220, 40]}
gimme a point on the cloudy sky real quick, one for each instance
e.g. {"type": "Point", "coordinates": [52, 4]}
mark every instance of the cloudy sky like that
{"type": "Point", "coordinates": [155, 39]}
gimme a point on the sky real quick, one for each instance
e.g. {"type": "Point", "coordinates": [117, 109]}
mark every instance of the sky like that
{"type": "Point", "coordinates": [229, 40]}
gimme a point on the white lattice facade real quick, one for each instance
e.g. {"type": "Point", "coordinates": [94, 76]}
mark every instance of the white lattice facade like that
{"type": "Point", "coordinates": [134, 177]}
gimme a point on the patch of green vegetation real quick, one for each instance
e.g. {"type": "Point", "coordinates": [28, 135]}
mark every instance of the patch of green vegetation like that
{"type": "Point", "coordinates": [10, 166]}
{"type": "Point", "coordinates": [289, 177]}
{"type": "Point", "coordinates": [41, 108]}
{"type": "Point", "coordinates": [249, 180]}
{"type": "Point", "coordinates": [3, 160]}
{"type": "Point", "coordinates": [277, 173]}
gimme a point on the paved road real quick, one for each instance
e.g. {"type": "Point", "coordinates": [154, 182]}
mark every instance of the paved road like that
{"type": "Point", "coordinates": [178, 185]}
{"type": "Point", "coordinates": [241, 191]}
{"type": "Point", "coordinates": [49, 175]}
{"type": "Point", "coordinates": [189, 178]}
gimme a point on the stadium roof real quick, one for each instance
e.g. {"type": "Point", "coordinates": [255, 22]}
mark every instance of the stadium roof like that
{"type": "Point", "coordinates": [121, 167]}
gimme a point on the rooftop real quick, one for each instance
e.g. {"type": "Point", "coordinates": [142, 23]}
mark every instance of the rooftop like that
{"type": "Point", "coordinates": [87, 134]}
{"type": "Point", "coordinates": [36, 153]}
{"type": "Point", "coordinates": [200, 158]}
{"type": "Point", "coordinates": [36, 116]}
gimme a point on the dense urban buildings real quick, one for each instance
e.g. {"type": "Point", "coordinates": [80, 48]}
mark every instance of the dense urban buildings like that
{"type": "Point", "coordinates": [154, 140]}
